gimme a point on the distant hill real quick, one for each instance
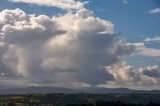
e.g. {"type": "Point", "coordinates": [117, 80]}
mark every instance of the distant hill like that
{"type": "Point", "coordinates": [27, 90]}
{"type": "Point", "coordinates": [120, 90]}
{"type": "Point", "coordinates": [30, 90]}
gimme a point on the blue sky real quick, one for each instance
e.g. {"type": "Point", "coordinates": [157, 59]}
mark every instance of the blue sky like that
{"type": "Point", "coordinates": [133, 20]}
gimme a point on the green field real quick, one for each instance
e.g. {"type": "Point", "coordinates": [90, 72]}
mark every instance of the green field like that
{"type": "Point", "coordinates": [60, 99]}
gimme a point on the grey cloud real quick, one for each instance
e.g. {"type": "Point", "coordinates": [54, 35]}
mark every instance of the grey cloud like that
{"type": "Point", "coordinates": [151, 71]}
{"type": "Point", "coordinates": [141, 49]}
{"type": "Point", "coordinates": [134, 78]}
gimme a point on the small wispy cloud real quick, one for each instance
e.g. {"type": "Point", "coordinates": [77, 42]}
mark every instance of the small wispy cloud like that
{"type": "Point", "coordinates": [141, 49]}
{"type": "Point", "coordinates": [125, 1]}
{"type": "Point", "coordinates": [98, 9]}
{"type": "Point", "coordinates": [155, 39]}
{"type": "Point", "coordinates": [155, 11]}
{"type": "Point", "coordinates": [63, 4]}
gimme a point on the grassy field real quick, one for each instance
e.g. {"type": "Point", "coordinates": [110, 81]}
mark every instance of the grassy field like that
{"type": "Point", "coordinates": [60, 99]}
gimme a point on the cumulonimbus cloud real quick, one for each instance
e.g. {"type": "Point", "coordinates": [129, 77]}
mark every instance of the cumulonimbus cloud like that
{"type": "Point", "coordinates": [52, 50]}
{"type": "Point", "coordinates": [71, 50]}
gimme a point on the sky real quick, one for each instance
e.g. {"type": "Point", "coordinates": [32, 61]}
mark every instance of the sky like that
{"type": "Point", "coordinates": [80, 44]}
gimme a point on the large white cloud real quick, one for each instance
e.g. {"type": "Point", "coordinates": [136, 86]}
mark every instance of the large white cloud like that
{"type": "Point", "coordinates": [71, 50]}
{"type": "Point", "coordinates": [67, 49]}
